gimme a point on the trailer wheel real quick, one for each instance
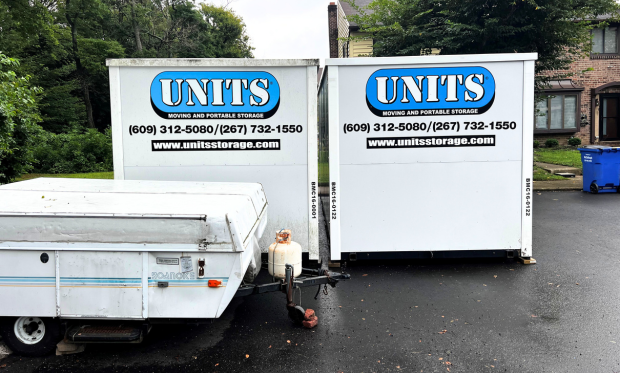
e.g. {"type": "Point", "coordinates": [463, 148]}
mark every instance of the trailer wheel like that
{"type": "Point", "coordinates": [31, 336]}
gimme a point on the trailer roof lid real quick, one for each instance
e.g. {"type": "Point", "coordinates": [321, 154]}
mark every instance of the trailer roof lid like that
{"type": "Point", "coordinates": [252, 190]}
{"type": "Point", "coordinates": [124, 211]}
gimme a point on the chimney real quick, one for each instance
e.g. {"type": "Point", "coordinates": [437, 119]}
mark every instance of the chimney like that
{"type": "Point", "coordinates": [332, 21]}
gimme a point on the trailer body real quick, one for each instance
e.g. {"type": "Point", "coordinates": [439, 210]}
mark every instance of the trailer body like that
{"type": "Point", "coordinates": [128, 250]}
{"type": "Point", "coordinates": [429, 153]}
{"type": "Point", "coordinates": [222, 120]}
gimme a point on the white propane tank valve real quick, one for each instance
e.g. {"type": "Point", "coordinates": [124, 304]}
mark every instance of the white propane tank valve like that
{"type": "Point", "coordinates": [283, 252]}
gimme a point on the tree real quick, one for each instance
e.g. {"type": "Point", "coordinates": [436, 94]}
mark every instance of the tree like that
{"type": "Point", "coordinates": [63, 45]}
{"type": "Point", "coordinates": [557, 29]}
{"type": "Point", "coordinates": [19, 116]}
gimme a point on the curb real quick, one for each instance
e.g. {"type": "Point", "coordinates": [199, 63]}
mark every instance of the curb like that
{"type": "Point", "coordinates": [556, 189]}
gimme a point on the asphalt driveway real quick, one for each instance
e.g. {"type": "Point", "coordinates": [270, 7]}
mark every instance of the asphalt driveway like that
{"type": "Point", "coordinates": [560, 315]}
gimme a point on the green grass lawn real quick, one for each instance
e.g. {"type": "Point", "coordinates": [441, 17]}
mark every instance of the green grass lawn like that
{"type": "Point", "coordinates": [92, 175]}
{"type": "Point", "coordinates": [542, 175]}
{"type": "Point", "coordinates": [562, 156]}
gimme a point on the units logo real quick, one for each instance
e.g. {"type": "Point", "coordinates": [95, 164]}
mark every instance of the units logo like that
{"type": "Point", "coordinates": [430, 91]}
{"type": "Point", "coordinates": [215, 95]}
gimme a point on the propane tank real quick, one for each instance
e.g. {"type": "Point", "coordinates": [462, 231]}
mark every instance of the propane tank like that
{"type": "Point", "coordinates": [283, 252]}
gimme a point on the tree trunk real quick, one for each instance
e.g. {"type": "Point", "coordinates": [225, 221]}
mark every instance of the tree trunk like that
{"type": "Point", "coordinates": [82, 74]}
{"type": "Point", "coordinates": [136, 26]}
{"type": "Point", "coordinates": [89, 106]}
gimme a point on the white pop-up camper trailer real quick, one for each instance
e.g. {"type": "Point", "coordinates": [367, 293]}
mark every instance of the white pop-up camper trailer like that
{"type": "Point", "coordinates": [103, 260]}
{"type": "Point", "coordinates": [122, 250]}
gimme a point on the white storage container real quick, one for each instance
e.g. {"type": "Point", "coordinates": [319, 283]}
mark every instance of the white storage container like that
{"type": "Point", "coordinates": [223, 120]}
{"type": "Point", "coordinates": [429, 153]}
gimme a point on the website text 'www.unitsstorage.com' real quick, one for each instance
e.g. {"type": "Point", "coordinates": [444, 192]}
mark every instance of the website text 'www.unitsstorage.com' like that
{"type": "Point", "coordinates": [213, 145]}
{"type": "Point", "coordinates": [429, 141]}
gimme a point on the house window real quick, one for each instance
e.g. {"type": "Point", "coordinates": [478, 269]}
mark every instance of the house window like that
{"type": "Point", "coordinates": [557, 112]}
{"type": "Point", "coordinates": [605, 41]}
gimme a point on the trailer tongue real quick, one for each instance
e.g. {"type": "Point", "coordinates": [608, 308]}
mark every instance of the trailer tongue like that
{"type": "Point", "coordinates": [132, 251]}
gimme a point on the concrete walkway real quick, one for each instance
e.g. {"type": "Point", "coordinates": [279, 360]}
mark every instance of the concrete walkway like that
{"type": "Point", "coordinates": [571, 183]}
{"type": "Point", "coordinates": [556, 168]}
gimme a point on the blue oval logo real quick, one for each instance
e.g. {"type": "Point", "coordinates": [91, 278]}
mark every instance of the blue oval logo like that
{"type": "Point", "coordinates": [430, 91]}
{"type": "Point", "coordinates": [215, 95]}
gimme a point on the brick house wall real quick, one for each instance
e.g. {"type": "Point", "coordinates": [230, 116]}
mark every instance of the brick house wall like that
{"type": "Point", "coordinates": [602, 71]}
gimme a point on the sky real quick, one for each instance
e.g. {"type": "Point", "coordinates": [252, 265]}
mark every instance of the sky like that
{"type": "Point", "coordinates": [285, 28]}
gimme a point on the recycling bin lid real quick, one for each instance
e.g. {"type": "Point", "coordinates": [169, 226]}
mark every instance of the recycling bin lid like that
{"type": "Point", "coordinates": [599, 149]}
{"type": "Point", "coordinates": [596, 147]}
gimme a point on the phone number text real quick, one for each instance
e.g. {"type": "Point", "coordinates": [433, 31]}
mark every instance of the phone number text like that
{"type": "Point", "coordinates": [218, 129]}
{"type": "Point", "coordinates": [429, 127]}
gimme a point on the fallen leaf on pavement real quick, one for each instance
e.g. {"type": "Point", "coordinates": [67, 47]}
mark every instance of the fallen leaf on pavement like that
{"type": "Point", "coordinates": [448, 363]}
{"type": "Point", "coordinates": [269, 346]}
{"type": "Point", "coordinates": [217, 364]}
{"type": "Point", "coordinates": [495, 276]}
{"type": "Point", "coordinates": [443, 332]}
{"type": "Point", "coordinates": [441, 358]}
{"type": "Point", "coordinates": [534, 316]}
{"type": "Point", "coordinates": [247, 356]}
{"type": "Point", "coordinates": [287, 341]}
{"type": "Point", "coordinates": [365, 274]}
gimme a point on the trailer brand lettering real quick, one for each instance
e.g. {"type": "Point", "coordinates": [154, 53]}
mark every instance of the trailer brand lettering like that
{"type": "Point", "coordinates": [430, 91]}
{"type": "Point", "coordinates": [215, 95]}
{"type": "Point", "coordinates": [173, 276]}
{"type": "Point", "coordinates": [168, 261]}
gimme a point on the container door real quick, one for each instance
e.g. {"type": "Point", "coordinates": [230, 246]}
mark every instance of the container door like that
{"type": "Point", "coordinates": [101, 284]}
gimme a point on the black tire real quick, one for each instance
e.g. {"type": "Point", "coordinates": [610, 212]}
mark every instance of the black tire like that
{"type": "Point", "coordinates": [594, 188]}
{"type": "Point", "coordinates": [45, 346]}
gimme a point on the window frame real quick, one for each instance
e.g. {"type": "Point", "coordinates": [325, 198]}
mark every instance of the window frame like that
{"type": "Point", "coordinates": [604, 55]}
{"type": "Point", "coordinates": [563, 92]}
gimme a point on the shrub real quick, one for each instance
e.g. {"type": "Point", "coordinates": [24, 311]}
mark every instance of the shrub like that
{"type": "Point", "coordinates": [74, 152]}
{"type": "Point", "coordinates": [551, 143]}
{"type": "Point", "coordinates": [536, 144]}
{"type": "Point", "coordinates": [574, 141]}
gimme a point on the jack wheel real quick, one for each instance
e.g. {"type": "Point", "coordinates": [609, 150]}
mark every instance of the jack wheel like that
{"type": "Point", "coordinates": [297, 314]}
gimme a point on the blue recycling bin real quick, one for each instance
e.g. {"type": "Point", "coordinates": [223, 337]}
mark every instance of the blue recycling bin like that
{"type": "Point", "coordinates": [601, 169]}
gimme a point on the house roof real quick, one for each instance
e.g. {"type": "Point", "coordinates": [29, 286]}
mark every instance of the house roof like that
{"type": "Point", "coordinates": [349, 10]}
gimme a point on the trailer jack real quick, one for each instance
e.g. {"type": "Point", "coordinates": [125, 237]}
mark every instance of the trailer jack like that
{"type": "Point", "coordinates": [309, 277]}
